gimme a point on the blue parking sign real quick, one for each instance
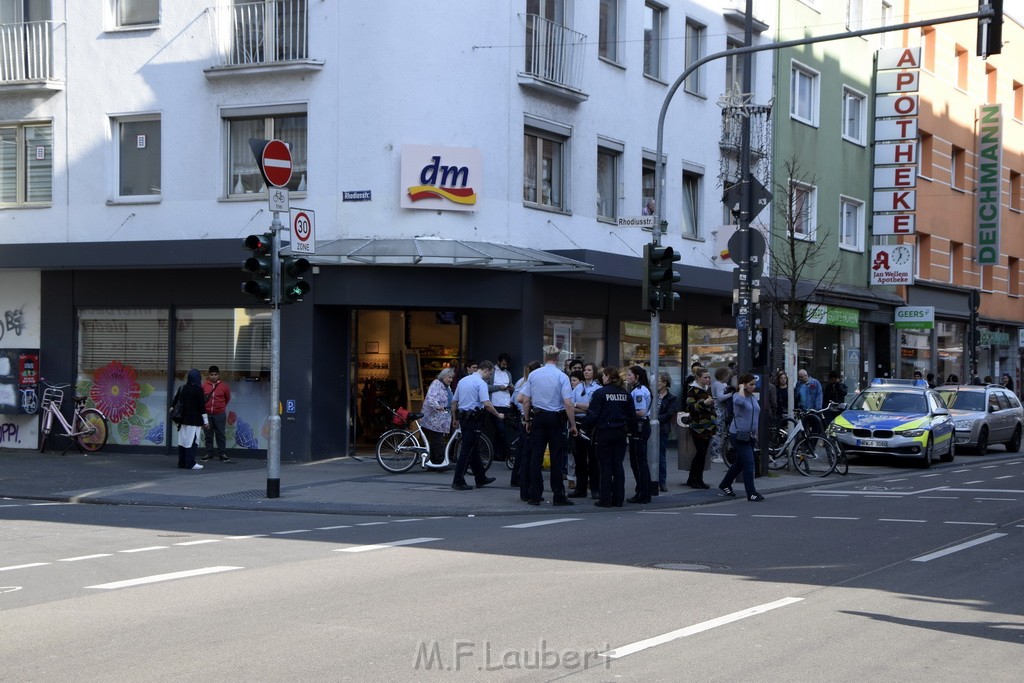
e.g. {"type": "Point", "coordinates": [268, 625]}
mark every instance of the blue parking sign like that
{"type": "Point", "coordinates": [289, 406]}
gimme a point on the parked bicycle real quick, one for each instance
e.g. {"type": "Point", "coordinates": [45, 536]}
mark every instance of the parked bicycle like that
{"type": "Point", "coordinates": [399, 448]}
{"type": "Point", "coordinates": [87, 428]}
{"type": "Point", "coordinates": [806, 447]}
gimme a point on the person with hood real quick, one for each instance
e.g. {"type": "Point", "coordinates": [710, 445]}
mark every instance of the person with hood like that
{"type": "Point", "coordinates": [194, 420]}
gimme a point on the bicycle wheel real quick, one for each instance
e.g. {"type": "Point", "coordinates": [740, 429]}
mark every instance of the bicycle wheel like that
{"type": "Point", "coordinates": [396, 450]}
{"type": "Point", "coordinates": [483, 447]}
{"type": "Point", "coordinates": [814, 456]}
{"type": "Point", "coordinates": [44, 431]}
{"type": "Point", "coordinates": [92, 422]}
{"type": "Point", "coordinates": [842, 466]}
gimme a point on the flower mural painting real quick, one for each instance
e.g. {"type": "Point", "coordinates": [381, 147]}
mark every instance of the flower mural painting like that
{"type": "Point", "coordinates": [114, 391]}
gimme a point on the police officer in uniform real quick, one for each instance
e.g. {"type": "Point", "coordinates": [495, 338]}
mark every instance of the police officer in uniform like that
{"type": "Point", "coordinates": [547, 404]}
{"type": "Point", "coordinates": [609, 415]}
{"type": "Point", "coordinates": [468, 405]}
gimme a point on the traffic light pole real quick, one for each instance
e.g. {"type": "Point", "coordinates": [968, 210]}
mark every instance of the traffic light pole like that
{"type": "Point", "coordinates": [986, 13]}
{"type": "Point", "coordinates": [274, 440]}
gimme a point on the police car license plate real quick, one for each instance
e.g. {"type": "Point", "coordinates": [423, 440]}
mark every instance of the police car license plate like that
{"type": "Point", "coordinates": [872, 443]}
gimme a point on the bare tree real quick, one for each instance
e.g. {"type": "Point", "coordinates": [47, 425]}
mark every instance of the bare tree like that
{"type": "Point", "coordinates": [799, 249]}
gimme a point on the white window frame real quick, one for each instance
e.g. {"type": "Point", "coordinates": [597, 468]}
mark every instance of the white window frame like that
{"type": "Point", "coordinates": [797, 72]}
{"type": "Point", "coordinates": [884, 19]}
{"type": "Point", "coordinates": [854, 15]}
{"type": "Point", "coordinates": [613, 150]}
{"type": "Point", "coordinates": [116, 122]}
{"type": "Point", "coordinates": [611, 45]}
{"type": "Point", "coordinates": [114, 7]}
{"type": "Point", "coordinates": [857, 244]}
{"type": "Point", "coordinates": [695, 176]}
{"type": "Point", "coordinates": [848, 95]}
{"type": "Point", "coordinates": [657, 34]}
{"type": "Point", "coordinates": [694, 48]}
{"type": "Point", "coordinates": [734, 66]}
{"type": "Point", "coordinates": [541, 131]}
{"type": "Point", "coordinates": [243, 154]}
{"type": "Point", "coordinates": [21, 173]}
{"type": "Point", "coordinates": [810, 218]}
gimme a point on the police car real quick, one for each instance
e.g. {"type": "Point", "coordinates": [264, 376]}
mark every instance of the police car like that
{"type": "Point", "coordinates": [901, 418]}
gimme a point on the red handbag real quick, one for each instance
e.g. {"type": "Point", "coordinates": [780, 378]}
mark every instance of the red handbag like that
{"type": "Point", "coordinates": [401, 417]}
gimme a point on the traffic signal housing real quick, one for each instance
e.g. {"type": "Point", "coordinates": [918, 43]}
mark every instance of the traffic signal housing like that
{"type": "Point", "coordinates": [659, 277]}
{"type": "Point", "coordinates": [293, 284]}
{"type": "Point", "coordinates": [259, 265]}
{"type": "Point", "coordinates": [990, 30]}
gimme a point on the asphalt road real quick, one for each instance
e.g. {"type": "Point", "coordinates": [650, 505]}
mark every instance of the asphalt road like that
{"type": "Point", "coordinates": [917, 577]}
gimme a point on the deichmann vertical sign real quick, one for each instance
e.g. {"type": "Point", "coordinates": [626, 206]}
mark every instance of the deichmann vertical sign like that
{"type": "Point", "coordinates": [990, 157]}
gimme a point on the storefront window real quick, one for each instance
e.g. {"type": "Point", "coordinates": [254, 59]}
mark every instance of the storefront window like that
{"type": "Point", "coordinates": [849, 364]}
{"type": "Point", "coordinates": [635, 348]}
{"type": "Point", "coordinates": [950, 344]}
{"type": "Point", "coordinates": [237, 341]}
{"type": "Point", "coordinates": [712, 347]}
{"type": "Point", "coordinates": [915, 352]}
{"type": "Point", "coordinates": [578, 338]}
{"type": "Point", "coordinates": [123, 360]}
{"type": "Point", "coordinates": [122, 369]}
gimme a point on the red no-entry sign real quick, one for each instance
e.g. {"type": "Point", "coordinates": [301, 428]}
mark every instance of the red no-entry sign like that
{"type": "Point", "coordinates": [277, 163]}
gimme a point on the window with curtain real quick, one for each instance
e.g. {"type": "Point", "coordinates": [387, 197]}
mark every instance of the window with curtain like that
{"type": "Point", "coordinates": [691, 204]}
{"type": "Point", "coordinates": [543, 169]}
{"type": "Point", "coordinates": [244, 175]}
{"type": "Point", "coordinates": [653, 19]}
{"type": "Point", "coordinates": [607, 181]}
{"type": "Point", "coordinates": [694, 51]}
{"type": "Point", "coordinates": [26, 164]}
{"type": "Point", "coordinates": [608, 30]}
{"type": "Point", "coordinates": [854, 109]}
{"type": "Point", "coordinates": [136, 12]}
{"type": "Point", "coordinates": [851, 223]}
{"type": "Point", "coordinates": [803, 94]}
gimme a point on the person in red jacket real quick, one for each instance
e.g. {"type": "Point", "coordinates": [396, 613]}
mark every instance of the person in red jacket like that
{"type": "Point", "coordinates": [217, 395]}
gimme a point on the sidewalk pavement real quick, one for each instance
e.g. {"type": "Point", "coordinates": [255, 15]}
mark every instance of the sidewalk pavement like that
{"type": "Point", "coordinates": [346, 485]}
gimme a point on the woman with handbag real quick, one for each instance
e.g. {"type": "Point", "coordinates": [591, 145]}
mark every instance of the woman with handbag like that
{"type": "Point", "coordinates": [742, 434]}
{"type": "Point", "coordinates": [701, 407]}
{"type": "Point", "coordinates": [437, 414]}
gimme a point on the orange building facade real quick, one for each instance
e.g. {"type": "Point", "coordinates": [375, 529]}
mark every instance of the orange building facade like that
{"type": "Point", "coordinates": [969, 214]}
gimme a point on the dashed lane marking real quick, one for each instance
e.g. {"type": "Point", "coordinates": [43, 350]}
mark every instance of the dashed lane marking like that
{"type": "Point", "coordinates": [776, 516]}
{"type": "Point", "coordinates": [951, 490]}
{"type": "Point", "coordinates": [200, 542]}
{"type": "Point", "coordinates": [544, 522]}
{"type": "Point", "coordinates": [957, 548]}
{"type": "Point", "coordinates": [852, 519]}
{"type": "Point", "coordinates": [716, 514]}
{"type": "Point", "coordinates": [939, 497]}
{"type": "Point", "coordinates": [329, 528]}
{"type": "Point", "coordinates": [926, 476]}
{"type": "Point", "coordinates": [146, 549]}
{"type": "Point", "coordinates": [381, 546]}
{"type": "Point", "coordinates": [290, 531]}
{"type": "Point", "coordinates": [84, 557]}
{"type": "Point", "coordinates": [638, 646]}
{"type": "Point", "coordinates": [976, 481]}
{"type": "Point", "coordinates": [973, 523]}
{"type": "Point", "coordinates": [23, 566]}
{"type": "Point", "coordinates": [242, 538]}
{"type": "Point", "coordinates": [890, 481]}
{"type": "Point", "coordinates": [657, 512]}
{"type": "Point", "coordinates": [998, 499]}
{"type": "Point", "coordinates": [371, 523]}
{"type": "Point", "coordinates": [989, 467]}
{"type": "Point", "coordinates": [399, 521]}
{"type": "Point", "coordinates": [156, 578]}
{"type": "Point", "coordinates": [913, 521]}
{"type": "Point", "coordinates": [1006, 476]}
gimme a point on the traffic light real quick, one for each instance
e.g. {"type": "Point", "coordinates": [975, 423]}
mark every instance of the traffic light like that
{"type": "Point", "coordinates": [258, 265]}
{"type": "Point", "coordinates": [659, 276]}
{"type": "Point", "coordinates": [990, 30]}
{"type": "Point", "coordinates": [293, 286]}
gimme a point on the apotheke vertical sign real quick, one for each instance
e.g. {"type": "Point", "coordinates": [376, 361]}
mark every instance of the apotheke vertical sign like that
{"type": "Point", "coordinates": [896, 110]}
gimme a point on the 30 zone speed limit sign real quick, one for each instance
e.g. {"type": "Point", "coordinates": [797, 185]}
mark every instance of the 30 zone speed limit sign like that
{"type": "Point", "coordinates": [303, 232]}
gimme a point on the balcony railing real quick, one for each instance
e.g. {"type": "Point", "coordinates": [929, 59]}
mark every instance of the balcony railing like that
{"type": "Point", "coordinates": [26, 52]}
{"type": "Point", "coordinates": [554, 53]}
{"type": "Point", "coordinates": [266, 31]}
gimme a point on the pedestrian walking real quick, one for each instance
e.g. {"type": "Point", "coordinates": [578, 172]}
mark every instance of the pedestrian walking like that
{"type": "Point", "coordinates": [547, 405]}
{"type": "Point", "coordinates": [700, 404]}
{"type": "Point", "coordinates": [742, 433]}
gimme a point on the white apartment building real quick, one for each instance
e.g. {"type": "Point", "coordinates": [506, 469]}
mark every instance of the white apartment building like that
{"type": "Point", "coordinates": [465, 165]}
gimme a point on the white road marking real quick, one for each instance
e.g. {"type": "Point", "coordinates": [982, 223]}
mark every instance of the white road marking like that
{"type": "Point", "coordinates": [775, 516]}
{"type": "Point", "coordinates": [957, 548]}
{"type": "Point", "coordinates": [976, 481]}
{"type": "Point", "coordinates": [940, 497]}
{"type": "Point", "coordinates": [882, 497]}
{"type": "Point", "coordinates": [399, 521]}
{"type": "Point", "coordinates": [1005, 476]}
{"type": "Point", "coordinates": [239, 538]}
{"type": "Point", "coordinates": [959, 471]}
{"type": "Point", "coordinates": [380, 546]}
{"type": "Point", "coordinates": [23, 566]}
{"type": "Point", "coordinates": [146, 549]}
{"type": "Point", "coordinates": [831, 495]}
{"type": "Point", "coordinates": [656, 512]}
{"type": "Point", "coordinates": [999, 499]}
{"type": "Point", "coordinates": [329, 528]}
{"type": "Point", "coordinates": [11, 505]}
{"type": "Point", "coordinates": [973, 523]}
{"type": "Point", "coordinates": [915, 521]}
{"type": "Point", "coordinates": [852, 519]}
{"type": "Point", "coordinates": [84, 557]}
{"type": "Point", "coordinates": [371, 523]}
{"type": "Point", "coordinates": [925, 476]}
{"type": "Point", "coordinates": [716, 514]}
{"type": "Point", "coordinates": [543, 523]}
{"type": "Point", "coordinates": [39, 505]}
{"type": "Point", "coordinates": [201, 542]}
{"type": "Point", "coordinates": [156, 578]}
{"type": "Point", "coordinates": [989, 467]}
{"type": "Point", "coordinates": [894, 494]}
{"type": "Point", "coordinates": [889, 481]}
{"type": "Point", "coordinates": [984, 490]}
{"type": "Point", "coordinates": [625, 650]}
{"type": "Point", "coordinates": [290, 531]}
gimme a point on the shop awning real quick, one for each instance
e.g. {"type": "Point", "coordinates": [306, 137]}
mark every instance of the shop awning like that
{"type": "Point", "coordinates": [442, 253]}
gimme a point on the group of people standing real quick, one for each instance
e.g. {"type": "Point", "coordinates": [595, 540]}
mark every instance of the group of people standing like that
{"type": "Point", "coordinates": [203, 415]}
{"type": "Point", "coordinates": [587, 419]}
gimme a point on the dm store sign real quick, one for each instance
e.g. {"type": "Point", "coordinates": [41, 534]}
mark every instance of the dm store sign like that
{"type": "Point", "coordinates": [440, 178]}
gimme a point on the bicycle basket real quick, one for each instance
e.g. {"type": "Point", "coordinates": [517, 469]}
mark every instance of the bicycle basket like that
{"type": "Point", "coordinates": [401, 417]}
{"type": "Point", "coordinates": [51, 395]}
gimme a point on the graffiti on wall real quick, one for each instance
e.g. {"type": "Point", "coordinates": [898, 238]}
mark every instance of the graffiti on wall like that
{"type": "Point", "coordinates": [13, 322]}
